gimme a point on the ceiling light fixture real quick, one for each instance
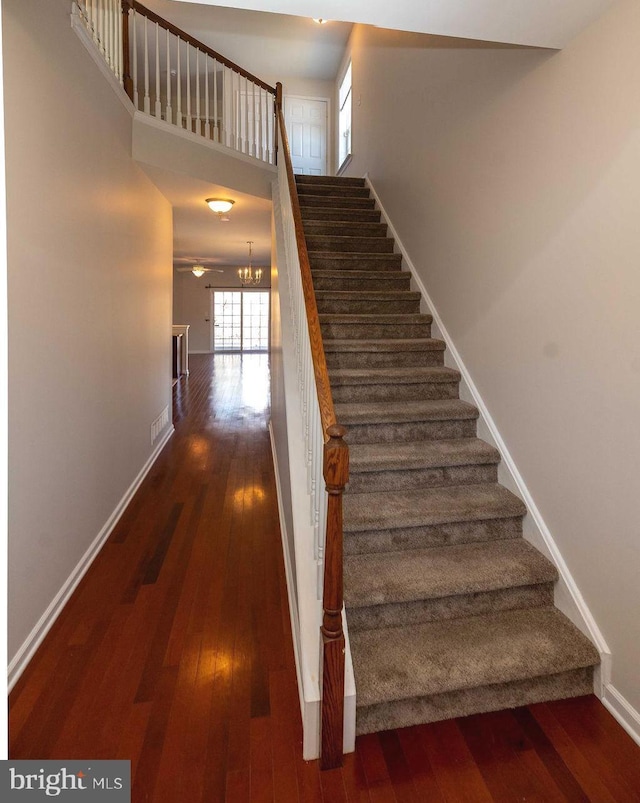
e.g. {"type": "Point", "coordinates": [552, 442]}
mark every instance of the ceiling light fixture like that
{"type": "Point", "coordinates": [220, 206]}
{"type": "Point", "coordinates": [247, 275]}
{"type": "Point", "coordinates": [320, 21]}
{"type": "Point", "coordinates": [197, 271]}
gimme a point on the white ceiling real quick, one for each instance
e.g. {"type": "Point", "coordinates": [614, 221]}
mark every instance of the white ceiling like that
{"type": "Point", "coordinates": [542, 23]}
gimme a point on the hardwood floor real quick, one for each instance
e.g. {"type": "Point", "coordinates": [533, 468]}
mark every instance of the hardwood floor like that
{"type": "Point", "coordinates": [175, 652]}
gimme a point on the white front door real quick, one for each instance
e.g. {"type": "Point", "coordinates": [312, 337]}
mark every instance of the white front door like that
{"type": "Point", "coordinates": [306, 121]}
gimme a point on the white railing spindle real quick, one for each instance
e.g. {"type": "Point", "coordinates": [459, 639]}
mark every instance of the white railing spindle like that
{"type": "Point", "coordinates": [225, 104]}
{"type": "Point", "coordinates": [168, 113]}
{"type": "Point", "coordinates": [158, 105]}
{"type": "Point", "coordinates": [207, 126]}
{"type": "Point", "coordinates": [147, 97]}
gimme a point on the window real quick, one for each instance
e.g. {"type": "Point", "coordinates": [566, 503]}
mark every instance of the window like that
{"type": "Point", "coordinates": [344, 118]}
{"type": "Point", "coordinates": [240, 320]}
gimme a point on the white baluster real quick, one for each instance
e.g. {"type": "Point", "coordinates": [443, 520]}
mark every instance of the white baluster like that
{"type": "Point", "coordinates": [136, 96]}
{"type": "Point", "coordinates": [168, 113]}
{"type": "Point", "coordinates": [147, 99]}
{"type": "Point", "coordinates": [158, 106]}
{"type": "Point", "coordinates": [188, 87]}
{"type": "Point", "coordinates": [216, 116]}
{"type": "Point", "coordinates": [270, 127]}
{"type": "Point", "coordinates": [178, 87]}
{"type": "Point", "coordinates": [198, 127]}
{"type": "Point", "coordinates": [246, 116]}
{"type": "Point", "coordinates": [255, 120]}
{"type": "Point", "coordinates": [207, 125]}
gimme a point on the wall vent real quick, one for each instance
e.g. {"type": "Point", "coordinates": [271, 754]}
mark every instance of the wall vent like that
{"type": "Point", "coordinates": [159, 424]}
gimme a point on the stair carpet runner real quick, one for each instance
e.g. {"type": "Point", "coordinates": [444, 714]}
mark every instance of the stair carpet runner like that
{"type": "Point", "coordinates": [450, 611]}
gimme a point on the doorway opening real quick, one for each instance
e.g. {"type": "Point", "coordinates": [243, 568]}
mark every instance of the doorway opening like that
{"type": "Point", "coordinates": [239, 320]}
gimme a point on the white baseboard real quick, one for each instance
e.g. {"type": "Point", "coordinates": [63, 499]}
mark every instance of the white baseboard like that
{"type": "Point", "coordinates": [39, 632]}
{"type": "Point", "coordinates": [623, 711]}
{"type": "Point", "coordinates": [567, 597]}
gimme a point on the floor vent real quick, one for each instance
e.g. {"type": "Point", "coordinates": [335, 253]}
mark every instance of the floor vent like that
{"type": "Point", "coordinates": [159, 424]}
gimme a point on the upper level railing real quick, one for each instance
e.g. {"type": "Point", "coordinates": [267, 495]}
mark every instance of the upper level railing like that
{"type": "Point", "coordinates": [170, 75]}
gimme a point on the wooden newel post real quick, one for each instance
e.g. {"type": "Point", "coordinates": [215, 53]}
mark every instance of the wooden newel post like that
{"type": "Point", "coordinates": [278, 107]}
{"type": "Point", "coordinates": [336, 475]}
{"type": "Point", "coordinates": [126, 58]}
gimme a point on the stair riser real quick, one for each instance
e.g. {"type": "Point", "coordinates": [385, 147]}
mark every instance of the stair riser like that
{"type": "Point", "coordinates": [416, 710]}
{"type": "Point", "coordinates": [341, 181]}
{"type": "Point", "coordinates": [348, 262]}
{"type": "Point", "coordinates": [431, 610]}
{"type": "Point", "coordinates": [394, 392]}
{"type": "Point", "coordinates": [391, 281]}
{"type": "Point", "coordinates": [460, 532]}
{"type": "Point", "coordinates": [409, 479]}
{"type": "Point", "coordinates": [406, 431]}
{"type": "Point", "coordinates": [350, 244]}
{"type": "Point", "coordinates": [335, 203]}
{"type": "Point", "coordinates": [374, 331]}
{"type": "Point", "coordinates": [354, 215]}
{"type": "Point", "coordinates": [366, 306]}
{"type": "Point", "coordinates": [333, 190]}
{"type": "Point", "coordinates": [341, 230]}
{"type": "Point", "coordinates": [384, 359]}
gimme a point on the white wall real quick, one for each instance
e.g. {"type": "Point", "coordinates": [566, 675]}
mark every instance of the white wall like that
{"type": "Point", "coordinates": [512, 178]}
{"type": "Point", "coordinates": [89, 244]}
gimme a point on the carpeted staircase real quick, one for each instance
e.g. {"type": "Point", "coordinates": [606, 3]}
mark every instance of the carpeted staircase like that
{"type": "Point", "coordinates": [450, 611]}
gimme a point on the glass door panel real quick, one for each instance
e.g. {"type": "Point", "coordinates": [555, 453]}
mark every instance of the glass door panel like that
{"type": "Point", "coordinates": [240, 320]}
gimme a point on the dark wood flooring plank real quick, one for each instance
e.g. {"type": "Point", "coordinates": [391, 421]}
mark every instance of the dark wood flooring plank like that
{"type": "Point", "coordinates": [457, 774]}
{"type": "Point", "coordinates": [418, 762]}
{"type": "Point", "coordinates": [375, 769]}
{"type": "Point", "coordinates": [582, 769]}
{"type": "Point", "coordinates": [606, 746]}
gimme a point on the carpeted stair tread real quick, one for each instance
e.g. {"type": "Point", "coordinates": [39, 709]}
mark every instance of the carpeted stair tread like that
{"type": "Point", "coordinates": [323, 213]}
{"type": "Point", "coordinates": [428, 506]}
{"type": "Point", "coordinates": [392, 319]}
{"type": "Point", "coordinates": [345, 261]}
{"type": "Point", "coordinates": [332, 190]}
{"type": "Point", "coordinates": [344, 228]}
{"type": "Point", "coordinates": [435, 657]}
{"type": "Point", "coordinates": [385, 344]}
{"type": "Point", "coordinates": [360, 244]}
{"type": "Point", "coordinates": [393, 376]}
{"type": "Point", "coordinates": [340, 181]}
{"type": "Point", "coordinates": [369, 295]}
{"type": "Point", "coordinates": [369, 457]}
{"type": "Point", "coordinates": [363, 275]}
{"type": "Point", "coordinates": [333, 202]}
{"type": "Point", "coordinates": [396, 412]}
{"type": "Point", "coordinates": [412, 574]}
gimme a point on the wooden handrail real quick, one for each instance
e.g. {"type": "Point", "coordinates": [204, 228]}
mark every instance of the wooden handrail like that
{"type": "Point", "coordinates": [169, 26]}
{"type": "Point", "coordinates": [336, 476]}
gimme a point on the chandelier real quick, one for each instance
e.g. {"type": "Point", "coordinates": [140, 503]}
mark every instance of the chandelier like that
{"type": "Point", "coordinates": [249, 275]}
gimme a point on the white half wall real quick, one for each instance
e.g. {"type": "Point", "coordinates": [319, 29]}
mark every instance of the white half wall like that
{"type": "Point", "coordinates": [90, 277]}
{"type": "Point", "coordinates": [511, 177]}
